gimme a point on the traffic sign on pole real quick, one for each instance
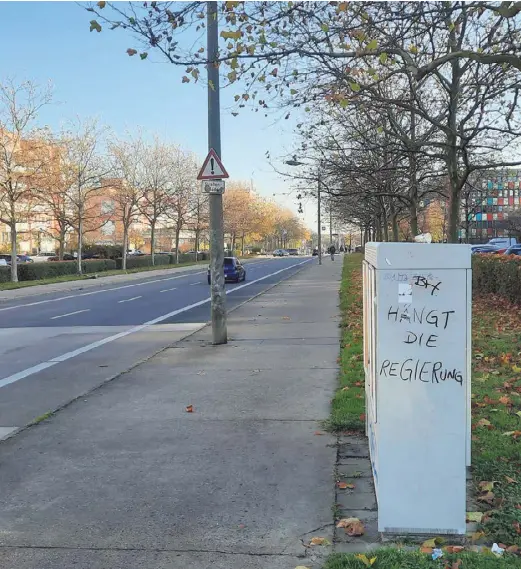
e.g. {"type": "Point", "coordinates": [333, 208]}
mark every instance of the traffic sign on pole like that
{"type": "Point", "coordinates": [213, 168]}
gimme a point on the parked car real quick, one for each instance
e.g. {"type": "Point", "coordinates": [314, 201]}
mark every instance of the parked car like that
{"type": "Point", "coordinates": [315, 252]}
{"type": "Point", "coordinates": [502, 243]}
{"type": "Point", "coordinates": [24, 258]}
{"type": "Point", "coordinates": [293, 252]}
{"type": "Point", "coordinates": [485, 249]}
{"type": "Point", "coordinates": [135, 253]}
{"type": "Point", "coordinates": [3, 263]}
{"type": "Point", "coordinates": [6, 258]}
{"type": "Point", "coordinates": [234, 270]}
{"type": "Point", "coordinates": [514, 250]}
{"type": "Point", "coordinates": [280, 253]}
{"type": "Point", "coordinates": [66, 257]}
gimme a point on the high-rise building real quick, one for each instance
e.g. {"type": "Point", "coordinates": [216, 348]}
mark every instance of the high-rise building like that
{"type": "Point", "coordinates": [490, 207]}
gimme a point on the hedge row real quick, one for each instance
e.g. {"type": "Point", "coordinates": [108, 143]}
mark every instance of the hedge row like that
{"type": "Point", "coordinates": [51, 269]}
{"type": "Point", "coordinates": [497, 274]}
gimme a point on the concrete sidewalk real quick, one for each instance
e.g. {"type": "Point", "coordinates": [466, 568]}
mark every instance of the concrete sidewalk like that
{"type": "Point", "coordinates": [125, 478]}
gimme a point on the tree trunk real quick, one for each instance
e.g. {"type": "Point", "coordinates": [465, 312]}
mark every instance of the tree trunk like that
{"type": "Point", "coordinates": [242, 245]}
{"type": "Point", "coordinates": [177, 233]}
{"type": "Point", "coordinates": [125, 247]}
{"type": "Point", "coordinates": [61, 243]}
{"type": "Point", "coordinates": [80, 243]}
{"type": "Point", "coordinates": [197, 231]}
{"type": "Point", "coordinates": [152, 241]}
{"type": "Point", "coordinates": [454, 212]}
{"type": "Point", "coordinates": [14, 258]}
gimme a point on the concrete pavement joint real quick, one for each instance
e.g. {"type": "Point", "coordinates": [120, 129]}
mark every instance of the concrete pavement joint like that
{"type": "Point", "coordinates": [150, 550]}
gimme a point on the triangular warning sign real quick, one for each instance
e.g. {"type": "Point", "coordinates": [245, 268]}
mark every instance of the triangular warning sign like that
{"type": "Point", "coordinates": [213, 168]}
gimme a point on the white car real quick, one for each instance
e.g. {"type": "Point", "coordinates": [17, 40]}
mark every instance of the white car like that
{"type": "Point", "coordinates": [3, 263]}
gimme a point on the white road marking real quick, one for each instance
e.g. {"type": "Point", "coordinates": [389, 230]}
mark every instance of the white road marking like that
{"type": "Point", "coordinates": [69, 355]}
{"type": "Point", "coordinates": [168, 289]}
{"type": "Point", "coordinates": [70, 314]}
{"type": "Point", "coordinates": [129, 299]}
{"type": "Point", "coordinates": [38, 302]}
{"type": "Point", "coordinates": [97, 291]}
{"type": "Point", "coordinates": [194, 284]}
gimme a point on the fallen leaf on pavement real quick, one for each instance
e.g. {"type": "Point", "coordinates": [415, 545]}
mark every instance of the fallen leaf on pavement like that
{"type": "Point", "coordinates": [344, 485]}
{"type": "Point", "coordinates": [286, 318]}
{"type": "Point", "coordinates": [318, 433]}
{"type": "Point", "coordinates": [189, 409]}
{"type": "Point", "coordinates": [474, 516]}
{"type": "Point", "coordinates": [486, 486]}
{"type": "Point", "coordinates": [319, 541]}
{"type": "Point", "coordinates": [353, 526]}
{"type": "Point", "coordinates": [301, 567]}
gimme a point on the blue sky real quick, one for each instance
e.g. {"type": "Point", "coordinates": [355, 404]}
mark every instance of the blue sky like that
{"type": "Point", "coordinates": [93, 76]}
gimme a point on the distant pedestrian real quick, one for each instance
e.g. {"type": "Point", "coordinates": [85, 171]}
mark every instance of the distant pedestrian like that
{"type": "Point", "coordinates": [332, 252]}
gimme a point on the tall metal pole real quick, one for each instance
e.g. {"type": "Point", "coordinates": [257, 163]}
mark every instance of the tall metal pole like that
{"type": "Point", "coordinates": [330, 225]}
{"type": "Point", "coordinates": [218, 309]}
{"type": "Point", "coordinates": [319, 220]}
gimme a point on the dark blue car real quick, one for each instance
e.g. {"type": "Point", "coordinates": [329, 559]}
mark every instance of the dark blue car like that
{"type": "Point", "coordinates": [233, 270]}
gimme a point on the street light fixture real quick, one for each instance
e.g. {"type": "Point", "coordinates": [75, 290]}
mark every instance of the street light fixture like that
{"type": "Point", "coordinates": [319, 221]}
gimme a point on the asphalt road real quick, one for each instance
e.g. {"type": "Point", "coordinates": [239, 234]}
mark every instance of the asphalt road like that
{"type": "Point", "coordinates": [56, 347]}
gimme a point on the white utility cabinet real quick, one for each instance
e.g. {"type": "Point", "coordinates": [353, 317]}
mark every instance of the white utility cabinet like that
{"type": "Point", "coordinates": [417, 353]}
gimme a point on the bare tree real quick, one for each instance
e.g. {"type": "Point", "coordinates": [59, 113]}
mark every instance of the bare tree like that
{"type": "Point", "coordinates": [157, 195]}
{"type": "Point", "coordinates": [184, 169]}
{"type": "Point", "coordinates": [199, 216]}
{"type": "Point", "coordinates": [84, 168]}
{"type": "Point", "coordinates": [22, 154]}
{"type": "Point", "coordinates": [128, 190]}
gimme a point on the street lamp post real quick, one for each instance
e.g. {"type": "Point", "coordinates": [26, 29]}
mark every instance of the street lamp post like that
{"type": "Point", "coordinates": [218, 306]}
{"type": "Point", "coordinates": [319, 219]}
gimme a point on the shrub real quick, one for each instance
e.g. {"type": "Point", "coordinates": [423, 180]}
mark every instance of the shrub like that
{"type": "Point", "coordinates": [103, 251]}
{"type": "Point", "coordinates": [98, 265]}
{"type": "Point", "coordinates": [50, 269]}
{"type": "Point", "coordinates": [134, 261]}
{"type": "Point", "coordinates": [497, 274]}
{"type": "Point", "coordinates": [5, 274]}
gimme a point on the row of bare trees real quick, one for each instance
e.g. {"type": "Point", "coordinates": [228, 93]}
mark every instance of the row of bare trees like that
{"type": "Point", "coordinates": [65, 176]}
{"type": "Point", "coordinates": [399, 102]}
{"type": "Point", "coordinates": [84, 179]}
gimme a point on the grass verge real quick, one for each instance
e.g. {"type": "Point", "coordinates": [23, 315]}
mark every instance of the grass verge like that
{"type": "Point", "coordinates": [496, 413]}
{"type": "Point", "coordinates": [348, 405]}
{"type": "Point", "coordinates": [67, 278]}
{"type": "Point", "coordinates": [402, 559]}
